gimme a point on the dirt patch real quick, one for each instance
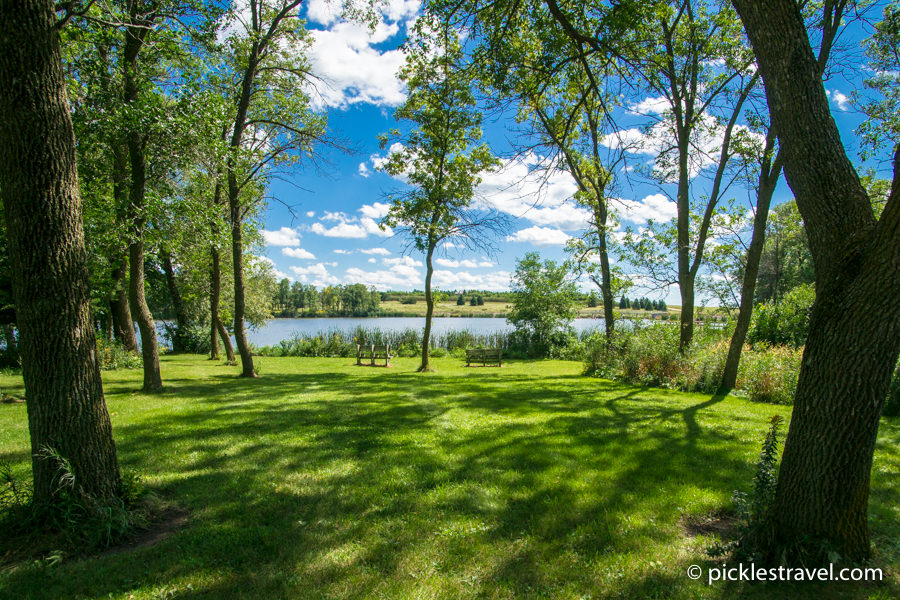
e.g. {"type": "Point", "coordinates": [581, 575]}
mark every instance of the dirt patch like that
{"type": "Point", "coordinates": [161, 527]}
{"type": "Point", "coordinates": [721, 523]}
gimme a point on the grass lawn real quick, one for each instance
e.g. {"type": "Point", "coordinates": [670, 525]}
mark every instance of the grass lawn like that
{"type": "Point", "coordinates": [326, 480]}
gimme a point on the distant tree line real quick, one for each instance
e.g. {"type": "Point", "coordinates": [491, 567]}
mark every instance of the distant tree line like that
{"type": "Point", "coordinates": [303, 299]}
{"type": "Point", "coordinates": [642, 304]}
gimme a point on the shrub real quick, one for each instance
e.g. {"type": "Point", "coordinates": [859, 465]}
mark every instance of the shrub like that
{"type": "Point", "coordinates": [770, 374]}
{"type": "Point", "coordinates": [112, 355]}
{"type": "Point", "coordinates": [407, 300]}
{"type": "Point", "coordinates": [785, 322]}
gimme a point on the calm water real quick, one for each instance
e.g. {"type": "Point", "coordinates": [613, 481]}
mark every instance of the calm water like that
{"type": "Point", "coordinates": [279, 329]}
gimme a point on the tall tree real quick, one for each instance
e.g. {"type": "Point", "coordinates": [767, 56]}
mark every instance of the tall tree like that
{"type": "Point", "coordinates": [822, 494]}
{"type": "Point", "coordinates": [39, 184]}
{"type": "Point", "coordinates": [441, 158]}
{"type": "Point", "coordinates": [543, 300]}
{"type": "Point", "coordinates": [272, 122]}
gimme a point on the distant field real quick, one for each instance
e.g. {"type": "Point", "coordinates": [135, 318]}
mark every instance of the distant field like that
{"type": "Point", "coordinates": [324, 480]}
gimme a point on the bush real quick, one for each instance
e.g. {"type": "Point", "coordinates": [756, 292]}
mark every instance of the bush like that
{"type": "Point", "coordinates": [783, 323]}
{"type": "Point", "coordinates": [192, 340]}
{"type": "Point", "coordinates": [647, 354]}
{"type": "Point", "coordinates": [407, 300]}
{"type": "Point", "coordinates": [112, 355]}
{"type": "Point", "coordinates": [770, 374]}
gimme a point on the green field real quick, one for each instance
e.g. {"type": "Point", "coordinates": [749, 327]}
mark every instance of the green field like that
{"type": "Point", "coordinates": [326, 480]}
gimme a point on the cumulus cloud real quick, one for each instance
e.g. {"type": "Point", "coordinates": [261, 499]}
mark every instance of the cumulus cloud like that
{"type": "Point", "coordinates": [407, 261]}
{"type": "Point", "coordinates": [540, 236]}
{"type": "Point", "coordinates": [655, 206]}
{"type": "Point", "coordinates": [522, 188]}
{"type": "Point", "coordinates": [316, 274]}
{"type": "Point", "coordinates": [349, 227]}
{"type": "Point", "coordinates": [469, 264]}
{"type": "Point", "coordinates": [298, 253]}
{"type": "Point", "coordinates": [376, 210]}
{"type": "Point", "coordinates": [841, 100]}
{"type": "Point", "coordinates": [281, 237]}
{"type": "Point", "coordinates": [655, 106]}
{"type": "Point", "coordinates": [379, 251]}
{"type": "Point", "coordinates": [496, 281]}
{"type": "Point", "coordinates": [342, 251]}
{"type": "Point", "coordinates": [349, 58]}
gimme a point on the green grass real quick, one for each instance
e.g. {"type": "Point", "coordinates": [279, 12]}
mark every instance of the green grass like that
{"type": "Point", "coordinates": [326, 480]}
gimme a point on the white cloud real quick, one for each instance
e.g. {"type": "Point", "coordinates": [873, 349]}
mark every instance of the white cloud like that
{"type": "Point", "coordinates": [316, 274]}
{"type": "Point", "coordinates": [399, 276]}
{"type": "Point", "coordinates": [282, 237]}
{"type": "Point", "coordinates": [841, 100]}
{"type": "Point", "coordinates": [298, 253]}
{"type": "Point", "coordinates": [469, 264]}
{"type": "Point", "coordinates": [522, 188]}
{"type": "Point", "coordinates": [351, 68]}
{"type": "Point", "coordinates": [655, 206]}
{"type": "Point", "coordinates": [364, 170]}
{"type": "Point", "coordinates": [342, 251]}
{"type": "Point", "coordinates": [350, 227]}
{"type": "Point", "coordinates": [372, 260]}
{"type": "Point", "coordinates": [540, 236]}
{"type": "Point", "coordinates": [408, 261]}
{"type": "Point", "coordinates": [379, 251]}
{"type": "Point", "coordinates": [310, 213]}
{"type": "Point", "coordinates": [341, 230]}
{"type": "Point", "coordinates": [656, 106]}
{"type": "Point", "coordinates": [376, 210]}
{"type": "Point", "coordinates": [498, 280]}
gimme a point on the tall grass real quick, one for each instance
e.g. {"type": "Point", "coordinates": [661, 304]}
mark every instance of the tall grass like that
{"type": "Point", "coordinates": [647, 354]}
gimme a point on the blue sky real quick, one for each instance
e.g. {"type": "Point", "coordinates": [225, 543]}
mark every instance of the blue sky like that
{"type": "Point", "coordinates": [329, 234]}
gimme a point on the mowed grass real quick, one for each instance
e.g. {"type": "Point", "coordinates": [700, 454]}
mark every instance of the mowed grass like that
{"type": "Point", "coordinates": [322, 479]}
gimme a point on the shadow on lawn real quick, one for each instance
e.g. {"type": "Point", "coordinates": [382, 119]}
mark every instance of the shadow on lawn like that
{"type": "Point", "coordinates": [356, 485]}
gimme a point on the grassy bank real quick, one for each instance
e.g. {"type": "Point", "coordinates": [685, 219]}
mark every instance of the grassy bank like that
{"type": "Point", "coordinates": [327, 480]}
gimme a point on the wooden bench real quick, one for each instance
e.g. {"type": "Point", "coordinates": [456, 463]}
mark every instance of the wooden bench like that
{"type": "Point", "coordinates": [372, 352]}
{"type": "Point", "coordinates": [483, 356]}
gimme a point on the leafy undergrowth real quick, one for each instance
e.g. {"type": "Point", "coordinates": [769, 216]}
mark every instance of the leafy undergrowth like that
{"type": "Point", "coordinates": [326, 480]}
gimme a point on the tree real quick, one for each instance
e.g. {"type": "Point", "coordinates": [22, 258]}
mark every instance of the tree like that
{"type": "Point", "coordinates": [460, 301]}
{"type": "Point", "coordinates": [544, 297]}
{"type": "Point", "coordinates": [39, 184]}
{"type": "Point", "coordinates": [441, 158]}
{"type": "Point", "coordinates": [822, 493]}
{"type": "Point", "coordinates": [272, 122]}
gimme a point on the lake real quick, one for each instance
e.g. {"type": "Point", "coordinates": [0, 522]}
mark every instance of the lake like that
{"type": "Point", "coordinates": [276, 330]}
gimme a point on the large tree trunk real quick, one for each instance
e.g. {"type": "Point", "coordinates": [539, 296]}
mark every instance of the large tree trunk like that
{"type": "Point", "coordinates": [768, 179]}
{"type": "Point", "coordinates": [123, 326]}
{"type": "Point", "coordinates": [823, 485]}
{"type": "Point", "coordinates": [39, 183]}
{"type": "Point", "coordinates": [181, 318]}
{"type": "Point", "coordinates": [429, 310]}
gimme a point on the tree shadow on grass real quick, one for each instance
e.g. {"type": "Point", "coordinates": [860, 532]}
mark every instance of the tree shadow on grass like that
{"type": "Point", "coordinates": [388, 484]}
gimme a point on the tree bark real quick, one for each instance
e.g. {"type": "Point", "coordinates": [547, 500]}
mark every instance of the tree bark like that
{"type": "Point", "coordinates": [822, 494]}
{"type": "Point", "coordinates": [226, 341]}
{"type": "Point", "coordinates": [123, 326]}
{"type": "Point", "coordinates": [237, 257]}
{"type": "Point", "coordinates": [215, 292]}
{"type": "Point", "coordinates": [39, 183]}
{"type": "Point", "coordinates": [429, 309]}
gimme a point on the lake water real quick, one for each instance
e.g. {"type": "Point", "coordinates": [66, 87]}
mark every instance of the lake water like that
{"type": "Point", "coordinates": [276, 330]}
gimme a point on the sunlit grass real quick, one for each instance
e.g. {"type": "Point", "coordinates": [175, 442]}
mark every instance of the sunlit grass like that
{"type": "Point", "coordinates": [326, 480]}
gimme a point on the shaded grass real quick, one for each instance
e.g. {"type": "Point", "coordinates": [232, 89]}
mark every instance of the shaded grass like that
{"type": "Point", "coordinates": [326, 480]}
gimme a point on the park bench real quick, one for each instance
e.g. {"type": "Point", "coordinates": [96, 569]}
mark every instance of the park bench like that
{"type": "Point", "coordinates": [371, 352]}
{"type": "Point", "coordinates": [483, 356]}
